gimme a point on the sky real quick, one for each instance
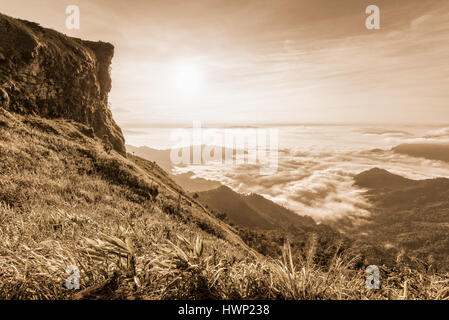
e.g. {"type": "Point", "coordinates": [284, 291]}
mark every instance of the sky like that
{"type": "Point", "coordinates": [262, 61]}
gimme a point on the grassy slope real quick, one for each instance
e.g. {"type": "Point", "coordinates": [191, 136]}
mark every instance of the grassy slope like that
{"type": "Point", "coordinates": [58, 186]}
{"type": "Point", "coordinates": [65, 200]}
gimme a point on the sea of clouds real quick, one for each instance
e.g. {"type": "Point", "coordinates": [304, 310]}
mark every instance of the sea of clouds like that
{"type": "Point", "coordinates": [316, 166]}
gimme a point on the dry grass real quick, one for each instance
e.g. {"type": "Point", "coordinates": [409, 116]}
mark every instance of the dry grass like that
{"type": "Point", "coordinates": [65, 200]}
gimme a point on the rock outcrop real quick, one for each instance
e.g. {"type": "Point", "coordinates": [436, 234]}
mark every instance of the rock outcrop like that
{"type": "Point", "coordinates": [46, 73]}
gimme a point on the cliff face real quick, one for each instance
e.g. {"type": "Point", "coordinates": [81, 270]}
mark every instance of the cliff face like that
{"type": "Point", "coordinates": [46, 73]}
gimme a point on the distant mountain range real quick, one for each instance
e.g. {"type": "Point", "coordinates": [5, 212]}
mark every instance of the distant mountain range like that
{"type": "Point", "coordinates": [252, 211]}
{"type": "Point", "coordinates": [162, 158]}
{"type": "Point", "coordinates": [409, 218]}
{"type": "Point", "coordinates": [431, 151]}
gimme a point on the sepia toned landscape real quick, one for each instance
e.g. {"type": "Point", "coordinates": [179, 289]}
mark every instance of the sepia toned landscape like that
{"type": "Point", "coordinates": [224, 150]}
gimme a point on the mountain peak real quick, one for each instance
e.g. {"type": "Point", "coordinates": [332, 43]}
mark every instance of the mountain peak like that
{"type": "Point", "coordinates": [51, 75]}
{"type": "Point", "coordinates": [376, 178]}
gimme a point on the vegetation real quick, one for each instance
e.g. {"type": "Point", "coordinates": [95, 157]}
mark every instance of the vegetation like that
{"type": "Point", "coordinates": [133, 234]}
{"type": "Point", "coordinates": [409, 220]}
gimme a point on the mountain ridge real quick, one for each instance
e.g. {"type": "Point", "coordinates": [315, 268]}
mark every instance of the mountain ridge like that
{"type": "Point", "coordinates": [380, 178]}
{"type": "Point", "coordinates": [45, 73]}
{"type": "Point", "coordinates": [409, 218]}
{"type": "Point", "coordinates": [431, 151]}
{"type": "Point", "coordinates": [253, 210]}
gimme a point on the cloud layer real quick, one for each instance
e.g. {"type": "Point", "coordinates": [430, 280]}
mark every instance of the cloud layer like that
{"type": "Point", "coordinates": [316, 178]}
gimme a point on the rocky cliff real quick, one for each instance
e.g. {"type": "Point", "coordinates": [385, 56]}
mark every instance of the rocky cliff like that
{"type": "Point", "coordinates": [46, 73]}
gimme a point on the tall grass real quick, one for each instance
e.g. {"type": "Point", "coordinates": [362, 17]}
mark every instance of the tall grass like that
{"type": "Point", "coordinates": [65, 201]}
{"type": "Point", "coordinates": [148, 267]}
{"type": "Point", "coordinates": [185, 271]}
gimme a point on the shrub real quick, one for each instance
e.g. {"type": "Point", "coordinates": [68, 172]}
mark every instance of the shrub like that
{"type": "Point", "coordinates": [171, 208]}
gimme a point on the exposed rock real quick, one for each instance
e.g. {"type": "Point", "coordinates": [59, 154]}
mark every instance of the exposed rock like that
{"type": "Point", "coordinates": [46, 73]}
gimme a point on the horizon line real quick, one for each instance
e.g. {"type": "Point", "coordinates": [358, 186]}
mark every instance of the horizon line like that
{"type": "Point", "coordinates": [275, 124]}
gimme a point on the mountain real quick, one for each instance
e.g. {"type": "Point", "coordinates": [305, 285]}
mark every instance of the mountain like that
{"type": "Point", "coordinates": [267, 226]}
{"type": "Point", "coordinates": [431, 151]}
{"type": "Point", "coordinates": [69, 194]}
{"type": "Point", "coordinates": [162, 157]}
{"type": "Point", "coordinates": [189, 182]}
{"type": "Point", "coordinates": [45, 73]}
{"type": "Point", "coordinates": [76, 209]}
{"type": "Point", "coordinates": [252, 211]}
{"type": "Point", "coordinates": [279, 215]}
{"type": "Point", "coordinates": [408, 217]}
{"type": "Point", "coordinates": [381, 179]}
{"type": "Point", "coordinates": [235, 207]}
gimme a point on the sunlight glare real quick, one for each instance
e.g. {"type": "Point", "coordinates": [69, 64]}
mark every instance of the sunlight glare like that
{"type": "Point", "coordinates": [187, 77]}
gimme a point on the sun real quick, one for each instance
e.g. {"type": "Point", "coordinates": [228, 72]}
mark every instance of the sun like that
{"type": "Point", "coordinates": [187, 77]}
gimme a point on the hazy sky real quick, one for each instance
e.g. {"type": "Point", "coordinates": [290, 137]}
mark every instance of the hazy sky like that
{"type": "Point", "coordinates": [259, 61]}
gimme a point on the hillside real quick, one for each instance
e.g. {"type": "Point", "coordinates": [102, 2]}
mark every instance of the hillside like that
{"type": "Point", "coordinates": [72, 199]}
{"type": "Point", "coordinates": [409, 218]}
{"type": "Point", "coordinates": [267, 226]}
{"type": "Point", "coordinates": [66, 183]}
{"type": "Point", "coordinates": [252, 211]}
{"type": "Point", "coordinates": [59, 187]}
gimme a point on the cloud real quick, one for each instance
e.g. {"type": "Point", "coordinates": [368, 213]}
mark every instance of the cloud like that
{"type": "Point", "coordinates": [385, 132]}
{"type": "Point", "coordinates": [318, 181]}
{"type": "Point", "coordinates": [133, 132]}
{"type": "Point", "coordinates": [437, 133]}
